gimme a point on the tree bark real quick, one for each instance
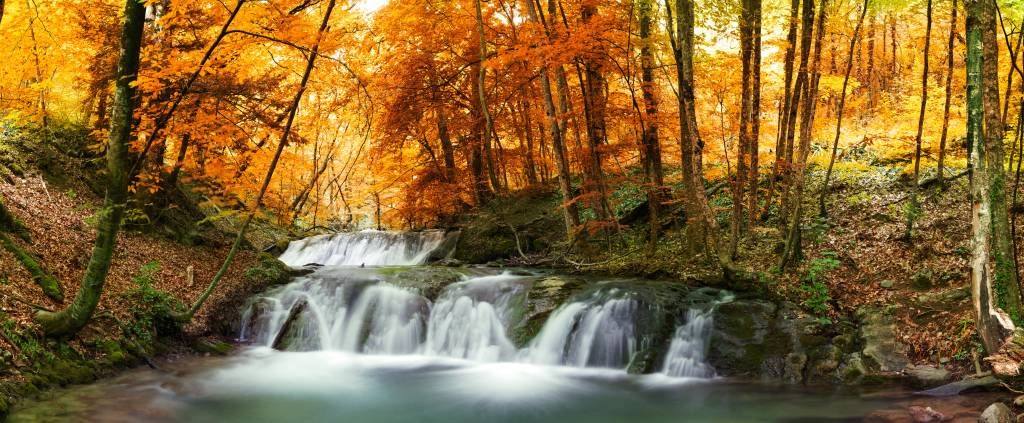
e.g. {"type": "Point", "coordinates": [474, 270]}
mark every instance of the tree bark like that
{"type": "Point", "coordinates": [569, 212]}
{"type": "Point", "coordinates": [780, 166]}
{"type": "Point", "coordinates": [70, 320]}
{"type": "Point", "coordinates": [755, 110]}
{"type": "Point", "coordinates": [792, 252]}
{"type": "Point", "coordinates": [481, 87]}
{"type": "Point", "coordinates": [649, 132]}
{"type": "Point", "coordinates": [913, 206]}
{"type": "Point", "coordinates": [995, 293]}
{"type": "Point", "coordinates": [950, 45]}
{"type": "Point", "coordinates": [839, 111]}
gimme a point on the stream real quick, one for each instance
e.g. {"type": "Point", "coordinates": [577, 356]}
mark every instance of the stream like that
{"type": "Point", "coordinates": [377, 336]}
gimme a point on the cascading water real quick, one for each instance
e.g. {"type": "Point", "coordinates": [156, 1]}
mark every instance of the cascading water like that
{"type": "Point", "coordinates": [471, 319]}
{"type": "Point", "coordinates": [370, 248]}
{"type": "Point", "coordinates": [372, 311]}
{"type": "Point", "coordinates": [363, 314]}
{"type": "Point", "coordinates": [688, 351]}
{"type": "Point", "coordinates": [597, 331]}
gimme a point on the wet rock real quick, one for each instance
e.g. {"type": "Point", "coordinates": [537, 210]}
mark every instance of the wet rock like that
{"type": "Point", "coordinates": [853, 368]}
{"type": "Point", "coordinates": [926, 376]}
{"type": "Point", "coordinates": [825, 361]}
{"type": "Point", "coordinates": [925, 414]}
{"type": "Point", "coordinates": [959, 386]}
{"type": "Point", "coordinates": [212, 346]}
{"type": "Point", "coordinates": [997, 413]}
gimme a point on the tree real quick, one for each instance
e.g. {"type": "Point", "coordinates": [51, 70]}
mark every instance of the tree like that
{"type": "Point", "coordinates": [839, 112]}
{"type": "Point", "coordinates": [995, 290]}
{"type": "Point", "coordinates": [792, 251]}
{"type": "Point", "coordinates": [914, 207]}
{"type": "Point", "coordinates": [77, 314]}
{"type": "Point", "coordinates": [292, 110]}
{"type": "Point", "coordinates": [649, 132]}
{"type": "Point", "coordinates": [700, 224]}
{"type": "Point", "coordinates": [940, 168]}
{"type": "Point", "coordinates": [787, 109]}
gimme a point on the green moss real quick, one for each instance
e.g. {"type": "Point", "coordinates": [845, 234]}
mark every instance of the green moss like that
{"type": "Point", "coordinates": [268, 271]}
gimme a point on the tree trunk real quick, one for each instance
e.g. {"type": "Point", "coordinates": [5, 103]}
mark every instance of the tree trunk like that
{"type": "Point", "coordinates": [743, 146]}
{"type": "Point", "coordinates": [70, 320]}
{"type": "Point", "coordinates": [792, 251]}
{"type": "Point", "coordinates": [292, 110]}
{"type": "Point", "coordinates": [481, 87]}
{"type": "Point", "coordinates": [447, 150]}
{"type": "Point", "coordinates": [700, 226]}
{"type": "Point", "coordinates": [755, 110]}
{"type": "Point", "coordinates": [596, 101]}
{"type": "Point", "coordinates": [557, 141]}
{"type": "Point", "coordinates": [839, 111]}
{"type": "Point", "coordinates": [940, 169]}
{"type": "Point", "coordinates": [913, 207]}
{"type": "Point", "coordinates": [995, 293]}
{"type": "Point", "coordinates": [649, 136]}
{"type": "Point", "coordinates": [780, 166]}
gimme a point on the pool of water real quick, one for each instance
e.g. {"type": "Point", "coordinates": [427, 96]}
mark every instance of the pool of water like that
{"type": "Point", "coordinates": [262, 385]}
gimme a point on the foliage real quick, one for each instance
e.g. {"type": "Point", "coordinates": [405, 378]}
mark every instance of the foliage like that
{"type": "Point", "coordinates": [815, 291]}
{"type": "Point", "coordinates": [153, 309]}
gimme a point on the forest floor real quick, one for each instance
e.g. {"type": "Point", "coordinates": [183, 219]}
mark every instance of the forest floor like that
{"type": "Point", "coordinates": [149, 272]}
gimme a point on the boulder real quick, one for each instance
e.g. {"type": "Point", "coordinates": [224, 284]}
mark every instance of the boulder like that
{"type": "Point", "coordinates": [878, 334]}
{"type": "Point", "coordinates": [997, 413]}
{"type": "Point", "coordinates": [926, 376]}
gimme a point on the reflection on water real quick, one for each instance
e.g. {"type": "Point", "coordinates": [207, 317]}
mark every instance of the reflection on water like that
{"type": "Point", "coordinates": [260, 385]}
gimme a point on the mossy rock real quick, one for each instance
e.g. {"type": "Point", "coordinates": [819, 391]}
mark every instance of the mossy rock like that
{"type": "Point", "coordinates": [268, 271]}
{"type": "Point", "coordinates": [212, 346]}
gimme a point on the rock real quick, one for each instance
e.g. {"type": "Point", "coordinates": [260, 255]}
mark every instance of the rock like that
{"type": "Point", "coordinates": [887, 284]}
{"type": "Point", "coordinates": [853, 368]}
{"type": "Point", "coordinates": [878, 332]}
{"type": "Point", "coordinates": [959, 386]}
{"type": "Point", "coordinates": [212, 346]}
{"type": "Point", "coordinates": [1019, 401]}
{"type": "Point", "coordinates": [922, 281]}
{"type": "Point", "coordinates": [927, 376]}
{"type": "Point", "coordinates": [794, 370]}
{"type": "Point", "coordinates": [997, 413]}
{"type": "Point", "coordinates": [925, 414]}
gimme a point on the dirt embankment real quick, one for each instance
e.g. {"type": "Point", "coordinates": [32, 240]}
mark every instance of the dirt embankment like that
{"type": "Point", "coordinates": [148, 272]}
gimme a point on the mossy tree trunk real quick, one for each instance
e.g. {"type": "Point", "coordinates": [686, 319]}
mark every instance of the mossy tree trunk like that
{"type": "Point", "coordinates": [76, 315]}
{"type": "Point", "coordinates": [995, 291]}
{"type": "Point", "coordinates": [10, 225]}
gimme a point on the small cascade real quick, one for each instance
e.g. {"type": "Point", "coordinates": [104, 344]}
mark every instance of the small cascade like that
{"type": "Point", "coordinates": [357, 315]}
{"type": "Point", "coordinates": [597, 331]}
{"type": "Point", "coordinates": [471, 319]}
{"type": "Point", "coordinates": [366, 315]}
{"type": "Point", "coordinates": [370, 248]}
{"type": "Point", "coordinates": [688, 351]}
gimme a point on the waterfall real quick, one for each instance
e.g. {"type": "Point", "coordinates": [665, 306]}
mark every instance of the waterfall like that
{"type": "Point", "coordinates": [471, 319]}
{"type": "Point", "coordinates": [384, 311]}
{"type": "Point", "coordinates": [370, 248]}
{"type": "Point", "coordinates": [597, 331]}
{"type": "Point", "coordinates": [688, 351]}
{"type": "Point", "coordinates": [367, 315]}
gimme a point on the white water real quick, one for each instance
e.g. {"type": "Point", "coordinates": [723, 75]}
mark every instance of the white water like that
{"type": "Point", "coordinates": [370, 248]}
{"type": "Point", "coordinates": [356, 311]}
{"type": "Point", "coordinates": [471, 318]}
{"type": "Point", "coordinates": [687, 355]}
{"type": "Point", "coordinates": [595, 332]}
